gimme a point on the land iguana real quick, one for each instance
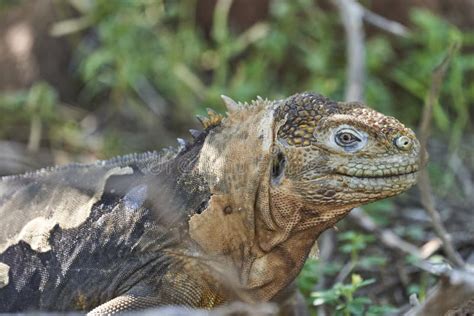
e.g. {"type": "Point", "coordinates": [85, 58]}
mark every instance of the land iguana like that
{"type": "Point", "coordinates": [230, 216]}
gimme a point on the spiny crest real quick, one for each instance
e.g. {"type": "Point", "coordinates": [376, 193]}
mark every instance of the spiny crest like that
{"type": "Point", "coordinates": [182, 143]}
{"type": "Point", "coordinates": [155, 157]}
{"type": "Point", "coordinates": [230, 104]}
{"type": "Point", "coordinates": [214, 119]}
{"type": "Point", "coordinates": [233, 106]}
{"type": "Point", "coordinates": [194, 133]}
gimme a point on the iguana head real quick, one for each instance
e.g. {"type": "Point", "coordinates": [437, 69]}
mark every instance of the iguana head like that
{"type": "Point", "coordinates": [281, 172]}
{"type": "Point", "coordinates": [338, 155]}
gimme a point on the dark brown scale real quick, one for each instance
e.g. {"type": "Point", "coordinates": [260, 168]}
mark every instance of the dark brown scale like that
{"type": "Point", "coordinates": [301, 111]}
{"type": "Point", "coordinates": [228, 210]}
{"type": "Point", "coordinates": [329, 193]}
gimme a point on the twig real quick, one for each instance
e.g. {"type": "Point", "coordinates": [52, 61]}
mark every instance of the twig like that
{"type": "Point", "coordinates": [351, 16]}
{"type": "Point", "coordinates": [430, 247]}
{"type": "Point", "coordinates": [345, 271]}
{"type": "Point", "coordinates": [414, 300]}
{"type": "Point", "coordinates": [150, 96]}
{"type": "Point", "coordinates": [392, 241]}
{"type": "Point", "coordinates": [456, 286]}
{"type": "Point", "coordinates": [327, 247]}
{"type": "Point", "coordinates": [433, 95]}
{"type": "Point", "coordinates": [190, 79]}
{"type": "Point", "coordinates": [455, 289]}
{"type": "Point", "coordinates": [384, 23]}
{"type": "Point", "coordinates": [424, 183]}
{"type": "Point", "coordinates": [463, 174]}
{"type": "Point", "coordinates": [386, 236]}
{"type": "Point", "coordinates": [34, 139]}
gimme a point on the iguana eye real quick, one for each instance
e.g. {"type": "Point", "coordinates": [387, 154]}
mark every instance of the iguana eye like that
{"type": "Point", "coordinates": [346, 138]}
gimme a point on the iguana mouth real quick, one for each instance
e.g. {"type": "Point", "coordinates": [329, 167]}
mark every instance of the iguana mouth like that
{"type": "Point", "coordinates": [384, 172]}
{"type": "Point", "coordinates": [373, 183]}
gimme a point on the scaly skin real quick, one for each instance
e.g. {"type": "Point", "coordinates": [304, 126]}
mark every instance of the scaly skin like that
{"type": "Point", "coordinates": [230, 217]}
{"type": "Point", "coordinates": [317, 159]}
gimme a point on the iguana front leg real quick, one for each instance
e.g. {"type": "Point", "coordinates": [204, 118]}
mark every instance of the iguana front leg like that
{"type": "Point", "coordinates": [290, 302]}
{"type": "Point", "coordinates": [126, 302]}
{"type": "Point", "coordinates": [180, 286]}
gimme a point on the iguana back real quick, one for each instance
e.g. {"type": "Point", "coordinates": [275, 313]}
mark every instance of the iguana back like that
{"type": "Point", "coordinates": [74, 237]}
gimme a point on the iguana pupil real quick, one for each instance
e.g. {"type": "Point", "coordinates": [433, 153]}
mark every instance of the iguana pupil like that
{"type": "Point", "coordinates": [346, 138]}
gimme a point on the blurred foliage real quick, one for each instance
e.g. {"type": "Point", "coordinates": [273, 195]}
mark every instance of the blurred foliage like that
{"type": "Point", "coordinates": [6, 4]}
{"type": "Point", "coordinates": [22, 106]}
{"type": "Point", "coordinates": [149, 59]}
{"type": "Point", "coordinates": [158, 42]}
{"type": "Point", "coordinates": [150, 62]}
{"type": "Point", "coordinates": [411, 75]}
{"type": "Point", "coordinates": [343, 298]}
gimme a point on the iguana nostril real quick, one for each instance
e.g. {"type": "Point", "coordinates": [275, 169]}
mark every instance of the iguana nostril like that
{"type": "Point", "coordinates": [403, 143]}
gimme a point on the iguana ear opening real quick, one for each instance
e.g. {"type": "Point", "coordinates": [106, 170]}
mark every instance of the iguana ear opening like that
{"type": "Point", "coordinates": [278, 167]}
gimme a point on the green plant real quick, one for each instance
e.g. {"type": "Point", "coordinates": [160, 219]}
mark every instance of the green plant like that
{"type": "Point", "coordinates": [342, 297]}
{"type": "Point", "coordinates": [311, 274]}
{"type": "Point", "coordinates": [354, 242]}
{"type": "Point", "coordinates": [35, 107]}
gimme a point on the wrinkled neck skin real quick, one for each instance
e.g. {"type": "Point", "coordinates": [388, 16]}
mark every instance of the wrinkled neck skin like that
{"type": "Point", "coordinates": [286, 230]}
{"type": "Point", "coordinates": [261, 243]}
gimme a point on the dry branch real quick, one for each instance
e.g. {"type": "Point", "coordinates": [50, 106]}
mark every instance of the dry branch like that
{"type": "Point", "coordinates": [455, 289]}
{"type": "Point", "coordinates": [456, 286]}
{"type": "Point", "coordinates": [424, 183]}
{"type": "Point", "coordinates": [386, 236]}
{"type": "Point", "coordinates": [326, 248]}
{"type": "Point", "coordinates": [384, 23]}
{"type": "Point", "coordinates": [351, 15]}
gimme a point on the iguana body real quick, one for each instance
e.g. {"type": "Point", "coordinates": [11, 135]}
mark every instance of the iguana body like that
{"type": "Point", "coordinates": [231, 216]}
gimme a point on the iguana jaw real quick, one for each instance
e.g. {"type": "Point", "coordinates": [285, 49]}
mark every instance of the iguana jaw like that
{"type": "Point", "coordinates": [356, 183]}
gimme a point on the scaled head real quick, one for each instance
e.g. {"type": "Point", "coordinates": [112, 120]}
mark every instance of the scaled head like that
{"type": "Point", "coordinates": [338, 154]}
